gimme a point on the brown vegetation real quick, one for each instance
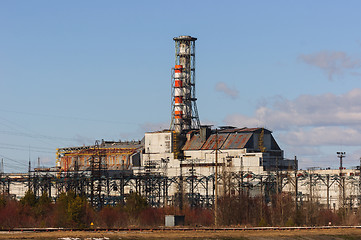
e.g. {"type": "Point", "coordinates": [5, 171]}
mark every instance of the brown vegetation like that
{"type": "Point", "coordinates": [72, 211]}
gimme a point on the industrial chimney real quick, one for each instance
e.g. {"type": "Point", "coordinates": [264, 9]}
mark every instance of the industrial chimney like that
{"type": "Point", "coordinates": [184, 108]}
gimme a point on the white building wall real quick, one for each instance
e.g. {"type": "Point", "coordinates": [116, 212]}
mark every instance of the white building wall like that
{"type": "Point", "coordinates": [158, 142]}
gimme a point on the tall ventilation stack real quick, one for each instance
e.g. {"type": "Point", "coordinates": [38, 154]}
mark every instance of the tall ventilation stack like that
{"type": "Point", "coordinates": [184, 108]}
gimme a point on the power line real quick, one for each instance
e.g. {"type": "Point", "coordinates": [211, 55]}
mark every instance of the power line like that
{"type": "Point", "coordinates": [27, 147]}
{"type": "Point", "coordinates": [67, 117]}
{"type": "Point", "coordinates": [16, 127]}
{"type": "Point", "coordinates": [11, 159]}
{"type": "Point", "coordinates": [36, 136]}
{"type": "Point", "coordinates": [15, 166]}
{"type": "Point", "coordinates": [21, 149]}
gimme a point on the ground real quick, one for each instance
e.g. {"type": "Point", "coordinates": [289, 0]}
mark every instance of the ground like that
{"type": "Point", "coordinates": [320, 234]}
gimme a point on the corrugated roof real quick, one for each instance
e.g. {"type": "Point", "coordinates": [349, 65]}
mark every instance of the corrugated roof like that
{"type": "Point", "coordinates": [229, 138]}
{"type": "Point", "coordinates": [211, 141]}
{"type": "Point", "coordinates": [237, 141]}
{"type": "Point", "coordinates": [194, 143]}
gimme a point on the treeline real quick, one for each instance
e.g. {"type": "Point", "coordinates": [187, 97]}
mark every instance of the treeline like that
{"type": "Point", "coordinates": [72, 211]}
{"type": "Point", "coordinates": [281, 210]}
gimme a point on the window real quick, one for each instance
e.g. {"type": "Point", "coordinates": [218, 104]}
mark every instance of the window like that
{"type": "Point", "coordinates": [167, 146]}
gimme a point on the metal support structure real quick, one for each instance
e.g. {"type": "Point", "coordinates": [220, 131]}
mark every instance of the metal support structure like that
{"type": "Point", "coordinates": [198, 190]}
{"type": "Point", "coordinates": [359, 184]}
{"type": "Point", "coordinates": [296, 184]}
{"type": "Point", "coordinates": [216, 183]}
{"type": "Point", "coordinates": [183, 106]}
{"type": "Point", "coordinates": [342, 197]}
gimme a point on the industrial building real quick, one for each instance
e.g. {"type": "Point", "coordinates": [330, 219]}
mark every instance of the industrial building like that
{"type": "Point", "coordinates": [186, 144]}
{"type": "Point", "coordinates": [254, 149]}
{"type": "Point", "coordinates": [117, 156]}
{"type": "Point", "coordinates": [188, 163]}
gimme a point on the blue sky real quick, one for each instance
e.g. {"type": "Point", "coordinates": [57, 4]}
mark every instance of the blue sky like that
{"type": "Point", "coordinates": [72, 72]}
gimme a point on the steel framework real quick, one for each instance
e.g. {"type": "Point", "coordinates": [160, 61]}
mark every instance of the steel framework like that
{"type": "Point", "coordinates": [102, 187]}
{"type": "Point", "coordinates": [184, 108]}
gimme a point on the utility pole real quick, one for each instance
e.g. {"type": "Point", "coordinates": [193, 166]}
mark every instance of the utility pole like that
{"type": "Point", "coordinates": [92, 178]}
{"type": "Point", "coordinates": [242, 173]}
{"type": "Point", "coordinates": [2, 173]}
{"type": "Point", "coordinates": [359, 184]}
{"type": "Point", "coordinates": [277, 177]}
{"type": "Point", "coordinates": [328, 190]}
{"type": "Point", "coordinates": [37, 190]}
{"type": "Point", "coordinates": [310, 190]}
{"type": "Point", "coordinates": [296, 184]}
{"type": "Point", "coordinates": [192, 185]}
{"type": "Point", "coordinates": [29, 175]}
{"type": "Point", "coordinates": [341, 155]}
{"type": "Point", "coordinates": [76, 176]}
{"type": "Point", "coordinates": [216, 183]}
{"type": "Point", "coordinates": [29, 172]}
{"type": "Point", "coordinates": [181, 185]}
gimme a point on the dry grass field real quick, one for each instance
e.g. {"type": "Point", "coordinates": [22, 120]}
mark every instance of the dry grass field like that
{"type": "Point", "coordinates": [199, 234]}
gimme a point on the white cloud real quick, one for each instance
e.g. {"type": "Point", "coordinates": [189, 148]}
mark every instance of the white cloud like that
{"type": "Point", "coordinates": [306, 110]}
{"type": "Point", "coordinates": [333, 63]}
{"type": "Point", "coordinates": [336, 136]}
{"type": "Point", "coordinates": [311, 127]}
{"type": "Point", "coordinates": [230, 92]}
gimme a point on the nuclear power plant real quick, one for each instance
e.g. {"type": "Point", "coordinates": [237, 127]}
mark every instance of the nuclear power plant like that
{"type": "Point", "coordinates": [189, 163]}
